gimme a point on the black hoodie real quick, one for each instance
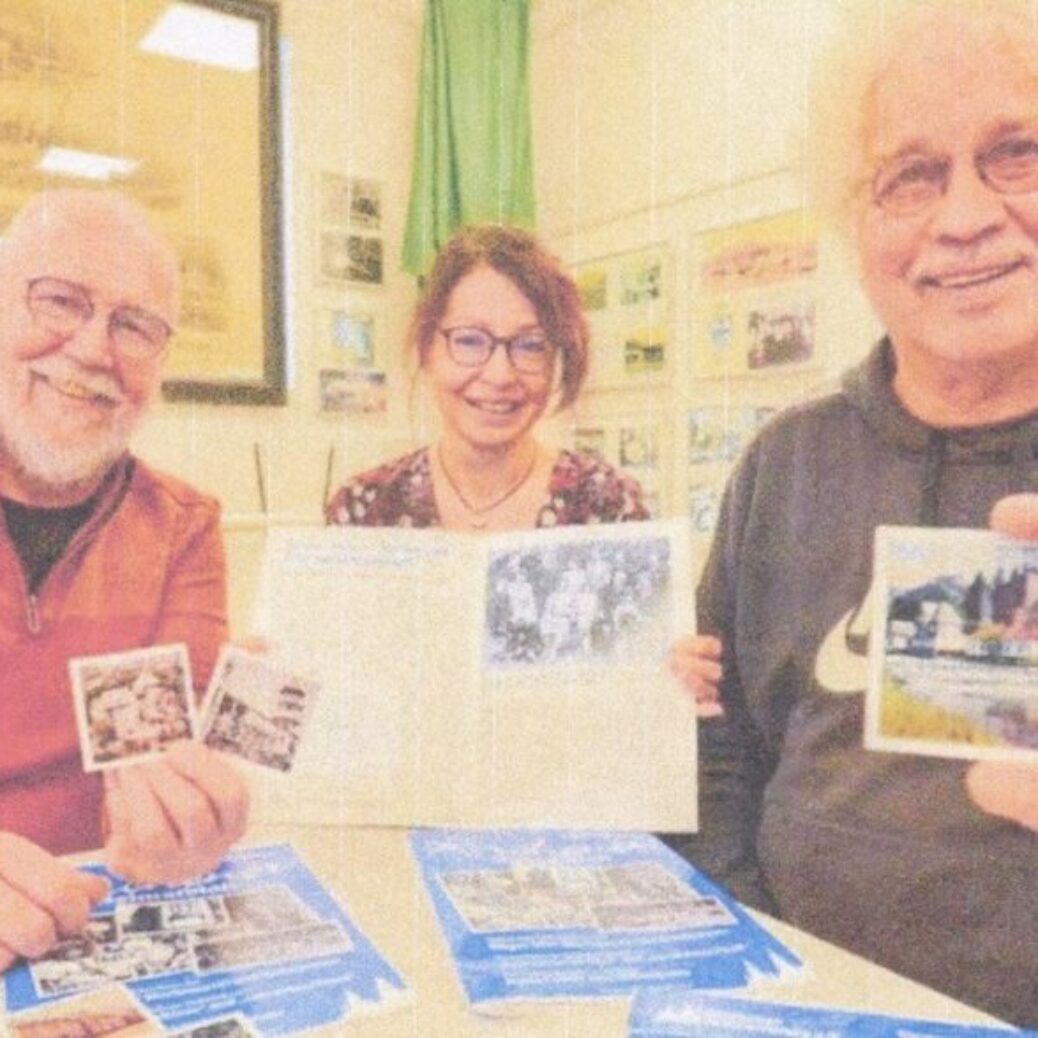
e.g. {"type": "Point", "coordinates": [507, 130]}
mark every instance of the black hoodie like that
{"type": "Point", "coordinates": [881, 853]}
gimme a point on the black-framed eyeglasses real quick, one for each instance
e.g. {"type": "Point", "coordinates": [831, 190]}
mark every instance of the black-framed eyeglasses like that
{"type": "Point", "coordinates": [528, 352]}
{"type": "Point", "coordinates": [62, 307]}
{"type": "Point", "coordinates": [910, 183]}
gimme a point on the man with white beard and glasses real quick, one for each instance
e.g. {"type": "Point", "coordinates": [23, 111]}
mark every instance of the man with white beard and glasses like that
{"type": "Point", "coordinates": [925, 156]}
{"type": "Point", "coordinates": [98, 554]}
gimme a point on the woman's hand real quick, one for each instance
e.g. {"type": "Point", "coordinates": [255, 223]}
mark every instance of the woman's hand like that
{"type": "Point", "coordinates": [695, 660]}
{"type": "Point", "coordinates": [1009, 789]}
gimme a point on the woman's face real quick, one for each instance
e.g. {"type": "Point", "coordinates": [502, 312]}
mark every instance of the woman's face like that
{"type": "Point", "coordinates": [491, 405]}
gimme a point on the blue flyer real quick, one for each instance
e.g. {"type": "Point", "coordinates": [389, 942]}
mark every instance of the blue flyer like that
{"type": "Point", "coordinates": [533, 914]}
{"type": "Point", "coordinates": [691, 1014]}
{"type": "Point", "coordinates": [259, 939]}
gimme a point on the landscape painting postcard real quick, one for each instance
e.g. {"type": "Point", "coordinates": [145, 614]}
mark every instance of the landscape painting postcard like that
{"type": "Point", "coordinates": [954, 647]}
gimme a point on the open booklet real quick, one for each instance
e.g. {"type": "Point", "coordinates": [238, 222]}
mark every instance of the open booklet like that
{"type": "Point", "coordinates": [507, 680]}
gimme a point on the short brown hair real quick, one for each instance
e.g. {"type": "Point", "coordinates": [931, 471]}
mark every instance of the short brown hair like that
{"type": "Point", "coordinates": [517, 255]}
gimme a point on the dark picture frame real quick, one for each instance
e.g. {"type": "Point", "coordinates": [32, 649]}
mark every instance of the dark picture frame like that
{"type": "Point", "coordinates": [270, 388]}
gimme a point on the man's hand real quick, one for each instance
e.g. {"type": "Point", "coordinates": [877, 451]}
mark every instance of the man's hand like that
{"type": "Point", "coordinates": [1009, 789]}
{"type": "Point", "coordinates": [173, 819]}
{"type": "Point", "coordinates": [695, 660]}
{"type": "Point", "coordinates": [41, 899]}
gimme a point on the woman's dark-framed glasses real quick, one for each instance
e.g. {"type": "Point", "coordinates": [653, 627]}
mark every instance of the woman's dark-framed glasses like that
{"type": "Point", "coordinates": [911, 183]}
{"type": "Point", "coordinates": [62, 307]}
{"type": "Point", "coordinates": [529, 352]}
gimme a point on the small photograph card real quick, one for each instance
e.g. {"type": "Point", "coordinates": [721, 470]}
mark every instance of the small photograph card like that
{"type": "Point", "coordinates": [226, 1027]}
{"type": "Point", "coordinates": [954, 653]}
{"type": "Point", "coordinates": [110, 1011]}
{"type": "Point", "coordinates": [131, 705]}
{"type": "Point", "coordinates": [256, 710]}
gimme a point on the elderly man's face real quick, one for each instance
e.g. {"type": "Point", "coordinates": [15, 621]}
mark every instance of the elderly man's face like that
{"type": "Point", "coordinates": [85, 306]}
{"type": "Point", "coordinates": [949, 262]}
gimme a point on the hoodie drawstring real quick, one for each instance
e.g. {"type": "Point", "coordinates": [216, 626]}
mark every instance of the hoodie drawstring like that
{"type": "Point", "coordinates": [935, 452]}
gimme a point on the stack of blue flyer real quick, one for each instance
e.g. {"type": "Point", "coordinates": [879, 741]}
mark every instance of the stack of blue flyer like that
{"type": "Point", "coordinates": [534, 914]}
{"type": "Point", "coordinates": [259, 941]}
{"type": "Point", "coordinates": [688, 1014]}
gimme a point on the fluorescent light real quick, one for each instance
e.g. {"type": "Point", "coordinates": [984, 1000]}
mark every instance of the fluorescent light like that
{"type": "Point", "coordinates": [71, 163]}
{"type": "Point", "coordinates": [190, 33]}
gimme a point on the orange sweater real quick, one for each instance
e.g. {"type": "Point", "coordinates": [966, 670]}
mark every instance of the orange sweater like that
{"type": "Point", "coordinates": [146, 569]}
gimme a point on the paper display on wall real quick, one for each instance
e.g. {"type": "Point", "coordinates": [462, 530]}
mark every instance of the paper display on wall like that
{"type": "Point", "coordinates": [755, 293]}
{"type": "Point", "coordinates": [627, 300]}
{"type": "Point", "coordinates": [509, 680]}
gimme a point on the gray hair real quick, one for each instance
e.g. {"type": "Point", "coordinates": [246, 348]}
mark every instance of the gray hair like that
{"type": "Point", "coordinates": [870, 36]}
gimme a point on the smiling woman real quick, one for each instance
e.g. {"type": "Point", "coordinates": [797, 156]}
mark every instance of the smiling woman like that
{"type": "Point", "coordinates": [498, 333]}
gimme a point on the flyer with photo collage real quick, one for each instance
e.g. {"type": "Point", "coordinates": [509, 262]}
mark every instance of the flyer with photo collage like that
{"type": "Point", "coordinates": [546, 914]}
{"type": "Point", "coordinates": [259, 939]}
{"type": "Point", "coordinates": [689, 1014]}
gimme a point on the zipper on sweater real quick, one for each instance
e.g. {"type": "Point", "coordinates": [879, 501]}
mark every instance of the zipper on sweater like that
{"type": "Point", "coordinates": [33, 615]}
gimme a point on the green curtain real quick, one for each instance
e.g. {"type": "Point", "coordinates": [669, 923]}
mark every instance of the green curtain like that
{"type": "Point", "coordinates": [473, 160]}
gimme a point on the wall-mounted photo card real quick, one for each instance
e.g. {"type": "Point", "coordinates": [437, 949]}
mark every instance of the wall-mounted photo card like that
{"type": "Point", "coordinates": [110, 1012]}
{"type": "Point", "coordinates": [256, 710]}
{"type": "Point", "coordinates": [593, 286]}
{"type": "Point", "coordinates": [641, 278]}
{"type": "Point", "coordinates": [759, 253]}
{"type": "Point", "coordinates": [778, 335]}
{"type": "Point", "coordinates": [954, 650]}
{"type": "Point", "coordinates": [591, 439]}
{"type": "Point", "coordinates": [645, 350]}
{"type": "Point", "coordinates": [349, 259]}
{"type": "Point", "coordinates": [704, 506]}
{"type": "Point", "coordinates": [639, 447]}
{"type": "Point", "coordinates": [131, 705]}
{"type": "Point", "coordinates": [717, 433]}
{"type": "Point", "coordinates": [365, 204]}
{"type": "Point", "coordinates": [352, 392]}
{"type": "Point", "coordinates": [349, 336]}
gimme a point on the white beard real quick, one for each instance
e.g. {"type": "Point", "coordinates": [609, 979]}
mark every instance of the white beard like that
{"type": "Point", "coordinates": [48, 470]}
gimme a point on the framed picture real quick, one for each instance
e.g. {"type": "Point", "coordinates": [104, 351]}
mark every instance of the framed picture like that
{"type": "Point", "coordinates": [176, 106]}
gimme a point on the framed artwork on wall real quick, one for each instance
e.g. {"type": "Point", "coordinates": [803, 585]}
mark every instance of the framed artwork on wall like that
{"type": "Point", "coordinates": [176, 105]}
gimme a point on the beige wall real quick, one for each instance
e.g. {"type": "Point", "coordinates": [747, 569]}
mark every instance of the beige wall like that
{"type": "Point", "coordinates": [653, 120]}
{"type": "Point", "coordinates": [353, 67]}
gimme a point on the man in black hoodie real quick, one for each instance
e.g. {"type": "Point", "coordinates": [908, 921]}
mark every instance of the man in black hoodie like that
{"type": "Point", "coordinates": [929, 158]}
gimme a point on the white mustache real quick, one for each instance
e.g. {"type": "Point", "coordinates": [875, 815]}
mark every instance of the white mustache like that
{"type": "Point", "coordinates": [73, 382]}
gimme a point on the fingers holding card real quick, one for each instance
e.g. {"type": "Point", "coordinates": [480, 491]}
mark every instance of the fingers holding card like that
{"type": "Point", "coordinates": [174, 818]}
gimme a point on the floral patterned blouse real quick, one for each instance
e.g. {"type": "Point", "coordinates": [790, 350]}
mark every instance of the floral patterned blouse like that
{"type": "Point", "coordinates": [583, 489]}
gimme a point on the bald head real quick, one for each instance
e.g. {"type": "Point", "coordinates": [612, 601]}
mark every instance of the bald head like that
{"type": "Point", "coordinates": [93, 231]}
